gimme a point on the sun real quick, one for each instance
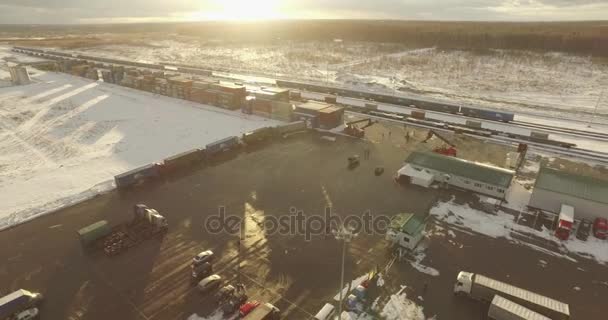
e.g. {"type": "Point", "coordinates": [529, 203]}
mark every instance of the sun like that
{"type": "Point", "coordinates": [239, 10]}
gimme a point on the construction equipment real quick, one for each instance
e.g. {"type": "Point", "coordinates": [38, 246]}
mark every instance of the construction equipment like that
{"type": "Point", "coordinates": [450, 150]}
{"type": "Point", "coordinates": [352, 130]}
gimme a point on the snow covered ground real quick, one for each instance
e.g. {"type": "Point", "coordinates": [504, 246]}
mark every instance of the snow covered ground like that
{"type": "Point", "coordinates": [503, 225]}
{"type": "Point", "coordinates": [63, 138]}
{"type": "Point", "coordinates": [528, 82]}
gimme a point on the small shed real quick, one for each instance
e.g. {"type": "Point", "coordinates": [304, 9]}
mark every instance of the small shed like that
{"type": "Point", "coordinates": [406, 230]}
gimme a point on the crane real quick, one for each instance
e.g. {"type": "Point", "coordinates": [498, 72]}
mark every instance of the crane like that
{"type": "Point", "coordinates": [446, 151]}
{"type": "Point", "coordinates": [352, 130]}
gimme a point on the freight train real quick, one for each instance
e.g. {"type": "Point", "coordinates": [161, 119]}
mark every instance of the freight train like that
{"type": "Point", "coordinates": [418, 102]}
{"type": "Point", "coordinates": [458, 128]}
{"type": "Point", "coordinates": [425, 104]}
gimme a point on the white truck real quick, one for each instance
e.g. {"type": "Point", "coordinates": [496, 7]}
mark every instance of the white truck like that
{"type": "Point", "coordinates": [504, 309]}
{"type": "Point", "coordinates": [482, 288]}
{"type": "Point", "coordinates": [14, 305]}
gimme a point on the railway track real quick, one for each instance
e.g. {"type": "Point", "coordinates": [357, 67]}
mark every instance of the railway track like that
{"type": "Point", "coordinates": [596, 156]}
{"type": "Point", "coordinates": [574, 132]}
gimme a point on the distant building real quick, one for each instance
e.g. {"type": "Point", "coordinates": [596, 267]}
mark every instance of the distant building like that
{"type": "Point", "coordinates": [406, 230]}
{"type": "Point", "coordinates": [554, 188]}
{"type": "Point", "coordinates": [426, 168]}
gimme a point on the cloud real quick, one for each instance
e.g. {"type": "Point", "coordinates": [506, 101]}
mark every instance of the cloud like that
{"type": "Point", "coordinates": [78, 11]}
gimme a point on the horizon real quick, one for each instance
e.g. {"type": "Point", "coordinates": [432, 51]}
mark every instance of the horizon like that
{"type": "Point", "coordinates": [72, 12]}
{"type": "Point", "coordinates": [303, 20]}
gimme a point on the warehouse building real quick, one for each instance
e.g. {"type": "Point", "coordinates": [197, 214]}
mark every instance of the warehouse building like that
{"type": "Point", "coordinates": [554, 188]}
{"type": "Point", "coordinates": [427, 168]}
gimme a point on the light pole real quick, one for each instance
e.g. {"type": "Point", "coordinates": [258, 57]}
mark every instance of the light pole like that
{"type": "Point", "coordinates": [597, 104]}
{"type": "Point", "coordinates": [346, 235]}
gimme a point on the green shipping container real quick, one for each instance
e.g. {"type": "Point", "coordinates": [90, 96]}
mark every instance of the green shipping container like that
{"type": "Point", "coordinates": [93, 232]}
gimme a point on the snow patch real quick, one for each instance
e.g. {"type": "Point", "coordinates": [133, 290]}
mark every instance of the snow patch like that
{"type": "Point", "coordinates": [419, 255]}
{"type": "Point", "coordinates": [502, 225]}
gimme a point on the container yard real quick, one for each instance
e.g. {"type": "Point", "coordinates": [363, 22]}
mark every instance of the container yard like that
{"type": "Point", "coordinates": [173, 156]}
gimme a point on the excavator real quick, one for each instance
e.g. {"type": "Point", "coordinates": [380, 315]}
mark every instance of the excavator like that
{"type": "Point", "coordinates": [352, 130]}
{"type": "Point", "coordinates": [444, 150]}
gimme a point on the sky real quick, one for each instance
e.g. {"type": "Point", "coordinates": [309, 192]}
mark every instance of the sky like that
{"type": "Point", "coordinates": [119, 11]}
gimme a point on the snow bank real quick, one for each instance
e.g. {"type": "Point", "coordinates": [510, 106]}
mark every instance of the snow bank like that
{"type": "Point", "coordinates": [502, 225]}
{"type": "Point", "coordinates": [398, 307]}
{"type": "Point", "coordinates": [64, 138]}
{"type": "Point", "coordinates": [419, 255]}
{"type": "Point", "coordinates": [353, 284]}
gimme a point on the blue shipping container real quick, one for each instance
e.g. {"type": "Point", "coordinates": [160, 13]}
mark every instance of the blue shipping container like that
{"type": "Point", "coordinates": [131, 177]}
{"type": "Point", "coordinates": [222, 145]}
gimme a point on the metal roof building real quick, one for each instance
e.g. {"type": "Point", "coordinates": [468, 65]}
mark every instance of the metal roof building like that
{"type": "Point", "coordinates": [406, 230]}
{"type": "Point", "coordinates": [464, 174]}
{"type": "Point", "coordinates": [588, 195]}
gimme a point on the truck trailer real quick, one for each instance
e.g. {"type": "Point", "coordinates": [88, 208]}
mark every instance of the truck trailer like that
{"type": "Point", "coordinates": [147, 223]}
{"type": "Point", "coordinates": [484, 289]}
{"type": "Point", "coordinates": [18, 301]}
{"type": "Point", "coordinates": [504, 309]}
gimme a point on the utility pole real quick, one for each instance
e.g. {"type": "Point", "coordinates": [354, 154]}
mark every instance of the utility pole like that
{"type": "Point", "coordinates": [239, 252]}
{"type": "Point", "coordinates": [597, 104]}
{"type": "Point", "coordinates": [346, 235]}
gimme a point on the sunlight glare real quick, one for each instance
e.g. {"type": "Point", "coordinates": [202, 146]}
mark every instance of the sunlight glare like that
{"type": "Point", "coordinates": [240, 10]}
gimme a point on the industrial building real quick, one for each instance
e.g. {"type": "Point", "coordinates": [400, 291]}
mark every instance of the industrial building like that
{"type": "Point", "coordinates": [554, 188]}
{"type": "Point", "coordinates": [426, 168]}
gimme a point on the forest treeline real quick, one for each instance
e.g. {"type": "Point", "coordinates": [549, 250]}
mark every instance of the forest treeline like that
{"type": "Point", "coordinates": [585, 37]}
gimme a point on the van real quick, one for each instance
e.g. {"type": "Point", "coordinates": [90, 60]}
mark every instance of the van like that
{"type": "Point", "coordinates": [327, 312]}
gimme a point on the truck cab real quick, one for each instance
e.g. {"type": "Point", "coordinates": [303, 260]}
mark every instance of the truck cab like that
{"type": "Point", "coordinates": [463, 284]}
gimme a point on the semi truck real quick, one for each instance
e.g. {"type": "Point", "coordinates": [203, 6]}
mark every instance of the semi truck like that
{"type": "Point", "coordinates": [484, 289]}
{"type": "Point", "coordinates": [146, 223]}
{"type": "Point", "coordinates": [264, 311]}
{"type": "Point", "coordinates": [504, 309]}
{"type": "Point", "coordinates": [18, 301]}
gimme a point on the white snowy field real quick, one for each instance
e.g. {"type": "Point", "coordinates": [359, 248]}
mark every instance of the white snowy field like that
{"type": "Point", "coordinates": [529, 82]}
{"type": "Point", "coordinates": [63, 138]}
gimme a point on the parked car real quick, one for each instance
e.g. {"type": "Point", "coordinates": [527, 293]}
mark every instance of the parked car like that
{"type": "Point", "coordinates": [205, 256]}
{"type": "Point", "coordinates": [584, 228]}
{"type": "Point", "coordinates": [248, 307]}
{"type": "Point", "coordinates": [600, 228]}
{"type": "Point", "coordinates": [229, 291]}
{"type": "Point", "coordinates": [200, 271]}
{"type": "Point", "coordinates": [209, 283]}
{"type": "Point", "coordinates": [28, 314]}
{"type": "Point", "coordinates": [224, 293]}
{"type": "Point", "coordinates": [326, 313]}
